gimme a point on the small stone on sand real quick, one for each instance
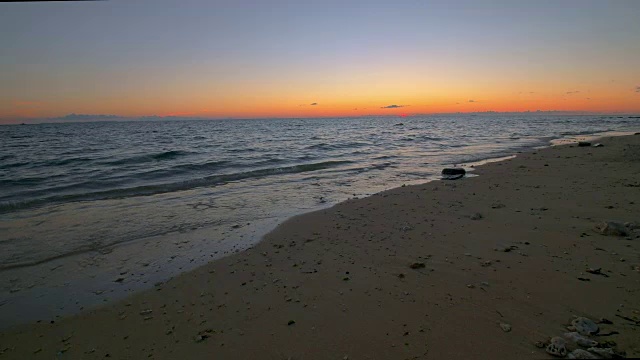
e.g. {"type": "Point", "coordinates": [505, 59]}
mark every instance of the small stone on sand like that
{"type": "Point", "coordinates": [581, 354]}
{"type": "Point", "coordinates": [476, 216]}
{"type": "Point", "coordinates": [557, 347]}
{"type": "Point", "coordinates": [606, 353]}
{"type": "Point", "coordinates": [611, 228]}
{"type": "Point", "coordinates": [580, 339]}
{"type": "Point", "coordinates": [585, 326]}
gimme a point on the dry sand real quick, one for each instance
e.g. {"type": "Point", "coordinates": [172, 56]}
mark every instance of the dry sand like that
{"type": "Point", "coordinates": [337, 283]}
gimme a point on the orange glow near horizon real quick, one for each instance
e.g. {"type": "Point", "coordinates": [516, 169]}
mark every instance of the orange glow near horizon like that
{"type": "Point", "coordinates": [352, 98]}
{"type": "Point", "coordinates": [346, 106]}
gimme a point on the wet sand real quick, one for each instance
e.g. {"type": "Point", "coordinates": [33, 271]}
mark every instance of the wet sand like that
{"type": "Point", "coordinates": [511, 246]}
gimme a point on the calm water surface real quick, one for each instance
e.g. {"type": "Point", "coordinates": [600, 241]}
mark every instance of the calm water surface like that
{"type": "Point", "coordinates": [115, 182]}
{"type": "Point", "coordinates": [83, 188]}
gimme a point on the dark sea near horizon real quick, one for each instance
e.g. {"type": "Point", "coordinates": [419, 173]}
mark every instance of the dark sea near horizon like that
{"type": "Point", "coordinates": [100, 206]}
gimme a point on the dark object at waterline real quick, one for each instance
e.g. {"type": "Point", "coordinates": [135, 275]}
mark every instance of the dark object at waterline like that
{"type": "Point", "coordinates": [584, 143]}
{"type": "Point", "coordinates": [452, 173]}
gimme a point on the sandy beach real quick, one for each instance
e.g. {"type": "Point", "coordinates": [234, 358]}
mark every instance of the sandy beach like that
{"type": "Point", "coordinates": [486, 267]}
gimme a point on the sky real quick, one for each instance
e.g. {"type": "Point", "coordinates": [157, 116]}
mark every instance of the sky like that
{"type": "Point", "coordinates": [219, 59]}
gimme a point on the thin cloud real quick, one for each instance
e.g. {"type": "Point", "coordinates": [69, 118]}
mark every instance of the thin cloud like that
{"type": "Point", "coordinates": [313, 104]}
{"type": "Point", "coordinates": [394, 106]}
{"type": "Point", "coordinates": [86, 117]}
{"type": "Point", "coordinates": [472, 101]}
{"type": "Point", "coordinates": [572, 92]}
{"type": "Point", "coordinates": [638, 89]}
{"type": "Point", "coordinates": [26, 103]}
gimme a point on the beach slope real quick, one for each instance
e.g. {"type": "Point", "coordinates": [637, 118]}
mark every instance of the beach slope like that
{"type": "Point", "coordinates": [484, 267]}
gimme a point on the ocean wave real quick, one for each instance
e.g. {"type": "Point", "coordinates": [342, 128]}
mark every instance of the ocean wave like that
{"type": "Point", "coordinates": [326, 146]}
{"type": "Point", "coordinates": [428, 138]}
{"type": "Point", "coordinates": [67, 161]}
{"type": "Point", "coordinates": [163, 173]}
{"type": "Point", "coordinates": [14, 165]}
{"type": "Point", "coordinates": [241, 150]}
{"type": "Point", "coordinates": [210, 165]}
{"type": "Point", "coordinates": [585, 132]}
{"type": "Point", "coordinates": [31, 180]}
{"type": "Point", "coordinates": [384, 157]}
{"type": "Point", "coordinates": [148, 190]}
{"type": "Point", "coordinates": [165, 155]}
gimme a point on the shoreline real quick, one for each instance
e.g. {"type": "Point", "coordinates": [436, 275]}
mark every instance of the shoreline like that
{"type": "Point", "coordinates": [101, 282]}
{"type": "Point", "coordinates": [251, 255]}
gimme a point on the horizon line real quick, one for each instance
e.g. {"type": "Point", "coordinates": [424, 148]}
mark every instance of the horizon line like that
{"type": "Point", "coordinates": [118, 118]}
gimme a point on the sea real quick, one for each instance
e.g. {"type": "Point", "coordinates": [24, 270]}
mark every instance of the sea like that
{"type": "Point", "coordinates": [92, 211]}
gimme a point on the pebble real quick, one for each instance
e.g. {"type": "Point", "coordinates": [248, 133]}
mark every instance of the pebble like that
{"type": "Point", "coordinates": [581, 354]}
{"type": "Point", "coordinates": [580, 340]}
{"type": "Point", "coordinates": [557, 347]}
{"type": "Point", "coordinates": [606, 353]}
{"type": "Point", "coordinates": [611, 228]}
{"type": "Point", "coordinates": [476, 216]}
{"type": "Point", "coordinates": [505, 327]}
{"type": "Point", "coordinates": [585, 326]}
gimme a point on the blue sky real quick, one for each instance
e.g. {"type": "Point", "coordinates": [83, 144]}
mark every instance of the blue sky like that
{"type": "Point", "coordinates": [87, 56]}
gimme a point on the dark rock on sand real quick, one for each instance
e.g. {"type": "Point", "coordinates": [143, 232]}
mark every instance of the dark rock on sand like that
{"type": "Point", "coordinates": [596, 271]}
{"type": "Point", "coordinates": [580, 339]}
{"type": "Point", "coordinates": [584, 143]}
{"type": "Point", "coordinates": [585, 326]}
{"type": "Point", "coordinates": [557, 347]}
{"type": "Point", "coordinates": [581, 354]}
{"type": "Point", "coordinates": [606, 353]}
{"type": "Point", "coordinates": [453, 173]}
{"type": "Point", "coordinates": [632, 226]}
{"type": "Point", "coordinates": [612, 228]}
